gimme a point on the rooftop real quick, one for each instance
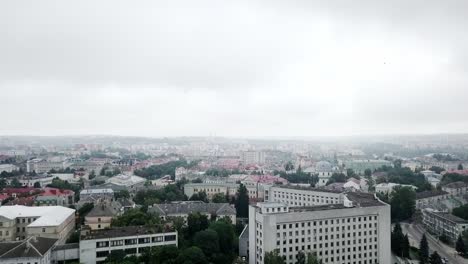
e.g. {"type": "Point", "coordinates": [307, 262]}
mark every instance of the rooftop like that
{"type": "Point", "coordinates": [96, 191]}
{"type": "Point", "coordinates": [191, 207]}
{"type": "Point", "coordinates": [458, 184]}
{"type": "Point", "coordinates": [119, 232]}
{"type": "Point", "coordinates": [29, 248]}
{"type": "Point", "coordinates": [448, 216]}
{"type": "Point", "coordinates": [295, 187]}
{"type": "Point", "coordinates": [46, 215]}
{"type": "Point", "coordinates": [427, 194]}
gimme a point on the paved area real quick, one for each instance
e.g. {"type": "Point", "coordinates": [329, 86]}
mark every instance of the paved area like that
{"type": "Point", "coordinates": [415, 233]}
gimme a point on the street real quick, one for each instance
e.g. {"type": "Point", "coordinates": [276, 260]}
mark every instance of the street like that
{"type": "Point", "coordinates": [415, 233]}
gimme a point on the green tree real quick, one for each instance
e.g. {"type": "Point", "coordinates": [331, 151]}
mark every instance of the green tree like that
{"type": "Point", "coordinates": [312, 258]}
{"type": "Point", "coordinates": [92, 175]}
{"type": "Point", "coordinates": [406, 247]}
{"type": "Point", "coordinates": [273, 258]}
{"type": "Point", "coordinates": [207, 241]}
{"type": "Point", "coordinates": [160, 255]}
{"type": "Point", "coordinates": [367, 172]}
{"type": "Point", "coordinates": [37, 185]}
{"type": "Point", "coordinates": [116, 256]}
{"type": "Point", "coordinates": [403, 203]}
{"type": "Point", "coordinates": [460, 167]}
{"type": "Point", "coordinates": [219, 198]}
{"type": "Point", "coordinates": [122, 194]}
{"type": "Point", "coordinates": [460, 246]}
{"type": "Point", "coordinates": [242, 202]}
{"type": "Point", "coordinates": [226, 234]}
{"type": "Point", "coordinates": [15, 183]}
{"type": "Point", "coordinates": [397, 239]}
{"type": "Point", "coordinates": [191, 255]}
{"type": "Point", "coordinates": [289, 166]}
{"type": "Point", "coordinates": [200, 196]}
{"type": "Point", "coordinates": [461, 211]}
{"type": "Point", "coordinates": [423, 250]}
{"type": "Point", "coordinates": [196, 222]}
{"type": "Point", "coordinates": [300, 258]}
{"type": "Point", "coordinates": [435, 258]}
{"type": "Point", "coordinates": [337, 177]}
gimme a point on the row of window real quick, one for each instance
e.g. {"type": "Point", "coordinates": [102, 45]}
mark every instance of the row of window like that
{"type": "Point", "coordinates": [135, 241]}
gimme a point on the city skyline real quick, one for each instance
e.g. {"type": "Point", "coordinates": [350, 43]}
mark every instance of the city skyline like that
{"type": "Point", "coordinates": [244, 69]}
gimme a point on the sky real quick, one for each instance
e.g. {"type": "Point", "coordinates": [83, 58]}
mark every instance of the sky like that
{"type": "Point", "coordinates": [244, 68]}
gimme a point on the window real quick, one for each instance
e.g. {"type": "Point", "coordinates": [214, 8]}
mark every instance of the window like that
{"type": "Point", "coordinates": [101, 254]}
{"type": "Point", "coordinates": [43, 230]}
{"type": "Point", "coordinates": [170, 238]}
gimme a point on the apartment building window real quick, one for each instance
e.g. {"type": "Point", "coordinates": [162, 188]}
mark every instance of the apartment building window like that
{"type": "Point", "coordinates": [102, 244]}
{"type": "Point", "coordinates": [170, 238]}
{"type": "Point", "coordinates": [102, 254]}
{"type": "Point", "coordinates": [43, 230]}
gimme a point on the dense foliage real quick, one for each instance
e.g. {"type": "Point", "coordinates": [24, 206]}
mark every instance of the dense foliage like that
{"type": "Point", "coordinates": [399, 242]}
{"type": "Point", "coordinates": [167, 194]}
{"type": "Point", "coordinates": [158, 171]}
{"type": "Point", "coordinates": [405, 175]}
{"type": "Point", "coordinates": [242, 202]}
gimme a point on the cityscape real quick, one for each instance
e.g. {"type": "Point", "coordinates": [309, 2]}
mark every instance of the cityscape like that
{"type": "Point", "coordinates": [233, 132]}
{"type": "Point", "coordinates": [106, 199]}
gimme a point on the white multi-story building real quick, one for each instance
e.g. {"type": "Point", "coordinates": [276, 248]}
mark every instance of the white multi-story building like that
{"type": "Point", "coordinates": [324, 171]}
{"type": "Point", "coordinates": [442, 223]}
{"type": "Point", "coordinates": [20, 222]}
{"type": "Point", "coordinates": [42, 166]}
{"type": "Point", "coordinates": [357, 231]}
{"type": "Point", "coordinates": [252, 157]}
{"type": "Point", "coordinates": [386, 188]}
{"type": "Point", "coordinates": [133, 240]}
{"type": "Point", "coordinates": [8, 168]}
{"type": "Point", "coordinates": [211, 189]}
{"type": "Point", "coordinates": [302, 196]}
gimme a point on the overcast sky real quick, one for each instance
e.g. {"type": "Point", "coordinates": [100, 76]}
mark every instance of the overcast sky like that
{"type": "Point", "coordinates": [233, 68]}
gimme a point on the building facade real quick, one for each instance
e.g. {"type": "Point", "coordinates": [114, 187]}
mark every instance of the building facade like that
{"type": "Point", "coordinates": [441, 223]}
{"type": "Point", "coordinates": [357, 231]}
{"type": "Point", "coordinates": [21, 222]}
{"type": "Point", "coordinates": [97, 245]}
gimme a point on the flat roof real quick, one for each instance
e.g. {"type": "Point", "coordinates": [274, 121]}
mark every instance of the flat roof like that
{"type": "Point", "coordinates": [295, 187]}
{"type": "Point", "coordinates": [46, 215]}
{"type": "Point", "coordinates": [122, 232]}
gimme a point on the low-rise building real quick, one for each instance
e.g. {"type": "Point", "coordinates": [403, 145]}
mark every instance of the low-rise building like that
{"type": "Point", "coordinates": [126, 181]}
{"type": "Point", "coordinates": [444, 224]}
{"type": "Point", "coordinates": [32, 250]}
{"type": "Point", "coordinates": [94, 195]}
{"type": "Point", "coordinates": [100, 217]}
{"type": "Point", "coordinates": [96, 245]}
{"type": "Point", "coordinates": [456, 188]}
{"type": "Point", "coordinates": [53, 196]}
{"type": "Point", "coordinates": [8, 168]}
{"type": "Point", "coordinates": [20, 222]}
{"type": "Point", "coordinates": [31, 181]}
{"type": "Point", "coordinates": [183, 209]}
{"type": "Point", "coordinates": [387, 188]}
{"type": "Point", "coordinates": [428, 198]}
{"type": "Point", "coordinates": [360, 166]}
{"type": "Point", "coordinates": [211, 189]}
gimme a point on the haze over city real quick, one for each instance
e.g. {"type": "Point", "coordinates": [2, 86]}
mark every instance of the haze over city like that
{"type": "Point", "coordinates": [239, 69]}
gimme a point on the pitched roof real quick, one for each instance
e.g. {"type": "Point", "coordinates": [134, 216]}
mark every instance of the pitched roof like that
{"type": "Point", "coordinates": [427, 194]}
{"type": "Point", "coordinates": [101, 210]}
{"type": "Point", "coordinates": [30, 248]}
{"type": "Point", "coordinates": [192, 207]}
{"type": "Point", "coordinates": [458, 184]}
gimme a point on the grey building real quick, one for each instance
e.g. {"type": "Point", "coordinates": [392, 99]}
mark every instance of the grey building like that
{"type": "Point", "coordinates": [356, 230]}
{"type": "Point", "coordinates": [442, 223]}
{"type": "Point", "coordinates": [31, 250]}
{"type": "Point", "coordinates": [95, 246]}
{"type": "Point", "coordinates": [183, 209]}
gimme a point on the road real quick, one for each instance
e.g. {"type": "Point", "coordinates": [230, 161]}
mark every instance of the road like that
{"type": "Point", "coordinates": [415, 233]}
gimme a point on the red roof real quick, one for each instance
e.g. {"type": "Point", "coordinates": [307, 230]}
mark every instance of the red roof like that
{"type": "Point", "coordinates": [4, 196]}
{"type": "Point", "coordinates": [28, 201]}
{"type": "Point", "coordinates": [56, 192]}
{"type": "Point", "coordinates": [19, 190]}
